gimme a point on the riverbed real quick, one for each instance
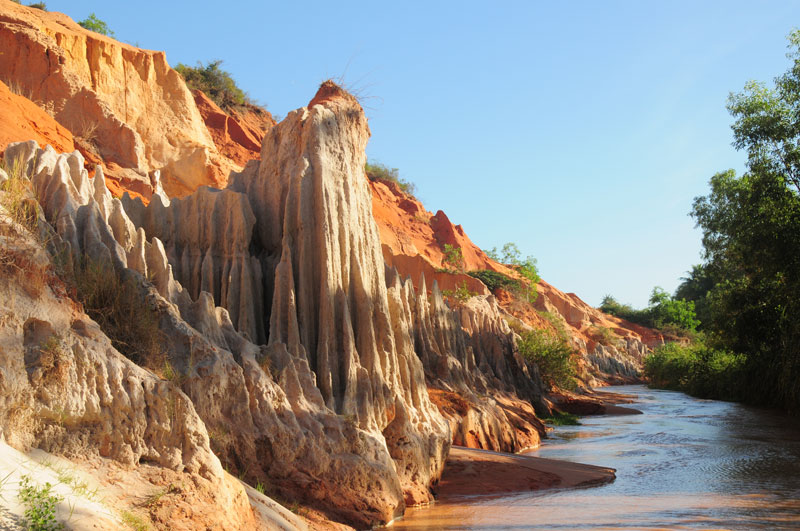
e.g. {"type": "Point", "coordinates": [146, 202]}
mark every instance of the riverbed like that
{"type": "Point", "coordinates": [685, 463]}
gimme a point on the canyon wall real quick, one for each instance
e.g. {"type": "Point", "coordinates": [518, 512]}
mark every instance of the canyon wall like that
{"type": "Point", "coordinates": [124, 102]}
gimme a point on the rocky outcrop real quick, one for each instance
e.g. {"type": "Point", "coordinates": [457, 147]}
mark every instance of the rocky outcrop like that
{"type": "Point", "coordinates": [63, 387]}
{"type": "Point", "coordinates": [126, 102]}
{"type": "Point", "coordinates": [238, 133]}
{"type": "Point", "coordinates": [341, 415]}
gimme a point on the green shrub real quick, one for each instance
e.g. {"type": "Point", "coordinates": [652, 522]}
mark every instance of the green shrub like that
{"type": "Point", "coordinates": [551, 352]}
{"type": "Point", "coordinates": [379, 172]}
{"type": "Point", "coordinates": [460, 295]}
{"type": "Point", "coordinates": [17, 197]}
{"type": "Point", "coordinates": [527, 269]}
{"type": "Point", "coordinates": [602, 335]}
{"type": "Point", "coordinates": [453, 260]}
{"type": "Point", "coordinates": [40, 505]}
{"type": "Point", "coordinates": [215, 82]}
{"type": "Point", "coordinates": [495, 280]}
{"type": "Point", "coordinates": [39, 5]}
{"type": "Point", "coordinates": [697, 370]}
{"type": "Point", "coordinates": [92, 23]}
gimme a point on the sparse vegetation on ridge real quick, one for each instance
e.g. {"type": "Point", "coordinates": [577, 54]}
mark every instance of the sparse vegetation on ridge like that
{"type": "Point", "coordinates": [495, 280]}
{"type": "Point", "coordinates": [453, 259]}
{"type": "Point", "coordinates": [216, 83]}
{"type": "Point", "coordinates": [511, 256]}
{"type": "Point", "coordinates": [379, 172]}
{"type": "Point", "coordinates": [460, 295]}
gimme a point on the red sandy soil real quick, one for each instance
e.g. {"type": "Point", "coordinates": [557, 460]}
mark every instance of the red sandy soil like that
{"type": "Point", "coordinates": [469, 472]}
{"type": "Point", "coordinates": [21, 119]}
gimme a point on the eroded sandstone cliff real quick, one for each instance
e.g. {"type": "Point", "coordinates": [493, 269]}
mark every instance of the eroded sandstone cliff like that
{"type": "Point", "coordinates": [64, 388]}
{"type": "Point", "coordinates": [413, 241]}
{"type": "Point", "coordinates": [124, 102]}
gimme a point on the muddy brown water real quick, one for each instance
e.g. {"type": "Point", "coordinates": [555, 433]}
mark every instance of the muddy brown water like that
{"type": "Point", "coordinates": [685, 463]}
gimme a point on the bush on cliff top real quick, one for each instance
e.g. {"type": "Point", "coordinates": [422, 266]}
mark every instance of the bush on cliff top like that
{"type": "Point", "coordinates": [215, 82]}
{"type": "Point", "coordinates": [92, 23]}
{"type": "Point", "coordinates": [380, 172]}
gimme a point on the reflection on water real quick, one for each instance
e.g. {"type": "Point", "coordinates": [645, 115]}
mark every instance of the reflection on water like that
{"type": "Point", "coordinates": [684, 464]}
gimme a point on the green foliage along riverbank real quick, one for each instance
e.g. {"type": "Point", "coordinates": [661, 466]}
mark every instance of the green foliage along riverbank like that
{"type": "Point", "coordinates": [698, 370]}
{"type": "Point", "coordinates": [748, 288]}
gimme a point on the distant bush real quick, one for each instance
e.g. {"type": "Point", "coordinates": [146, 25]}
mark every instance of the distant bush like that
{"type": "Point", "coordinates": [697, 370]}
{"type": "Point", "coordinates": [551, 352]}
{"type": "Point", "coordinates": [39, 5]}
{"type": "Point", "coordinates": [664, 312]}
{"type": "Point", "coordinates": [92, 23]}
{"type": "Point", "coordinates": [495, 280]}
{"type": "Point", "coordinates": [602, 335]}
{"type": "Point", "coordinates": [215, 82]}
{"type": "Point", "coordinates": [380, 172]}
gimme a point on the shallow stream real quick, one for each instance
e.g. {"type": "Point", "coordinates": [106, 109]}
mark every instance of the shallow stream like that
{"type": "Point", "coordinates": [683, 464]}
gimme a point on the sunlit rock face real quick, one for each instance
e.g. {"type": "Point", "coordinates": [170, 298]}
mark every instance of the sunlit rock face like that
{"type": "Point", "coordinates": [126, 101]}
{"type": "Point", "coordinates": [291, 251]}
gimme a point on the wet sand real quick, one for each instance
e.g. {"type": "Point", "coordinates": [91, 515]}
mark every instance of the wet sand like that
{"type": "Point", "coordinates": [469, 472]}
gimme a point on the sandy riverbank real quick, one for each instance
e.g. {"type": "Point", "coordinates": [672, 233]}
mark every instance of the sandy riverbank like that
{"type": "Point", "coordinates": [469, 471]}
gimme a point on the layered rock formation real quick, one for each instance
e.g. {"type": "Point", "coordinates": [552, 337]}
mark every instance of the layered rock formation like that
{"type": "Point", "coordinates": [63, 387]}
{"type": "Point", "coordinates": [238, 133]}
{"type": "Point", "coordinates": [124, 101]}
{"type": "Point", "coordinates": [413, 241]}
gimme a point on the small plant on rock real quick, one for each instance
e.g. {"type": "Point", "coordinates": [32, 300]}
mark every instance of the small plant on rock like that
{"type": "Point", "coordinates": [40, 505]}
{"type": "Point", "coordinates": [453, 260]}
{"type": "Point", "coordinates": [460, 295]}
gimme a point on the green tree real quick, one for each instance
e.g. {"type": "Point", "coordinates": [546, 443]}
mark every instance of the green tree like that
{"type": "Point", "coordinates": [92, 23]}
{"type": "Point", "coordinates": [665, 310]}
{"type": "Point", "coordinates": [552, 353]}
{"type": "Point", "coordinates": [751, 239]}
{"type": "Point", "coordinates": [695, 287]}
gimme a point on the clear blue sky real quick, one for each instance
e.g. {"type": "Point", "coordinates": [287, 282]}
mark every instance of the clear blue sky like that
{"type": "Point", "coordinates": [579, 130]}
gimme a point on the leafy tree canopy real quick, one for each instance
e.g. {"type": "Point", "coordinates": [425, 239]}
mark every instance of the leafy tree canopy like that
{"type": "Point", "coordinates": [92, 23]}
